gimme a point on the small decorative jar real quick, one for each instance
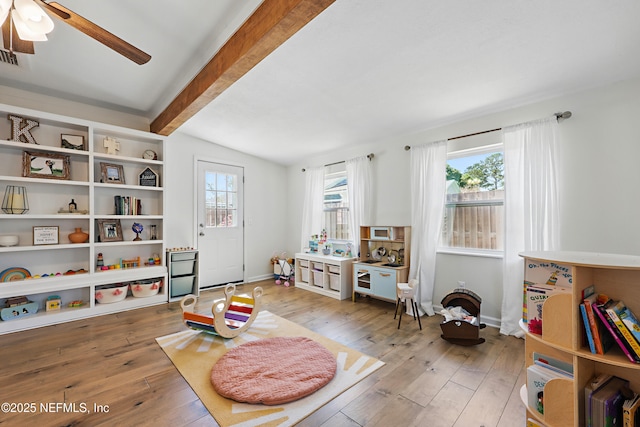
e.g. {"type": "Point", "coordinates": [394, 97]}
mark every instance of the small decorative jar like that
{"type": "Point", "coordinates": [78, 236]}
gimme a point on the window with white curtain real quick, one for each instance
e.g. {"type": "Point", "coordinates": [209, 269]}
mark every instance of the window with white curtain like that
{"type": "Point", "coordinates": [474, 207]}
{"type": "Point", "coordinates": [336, 202]}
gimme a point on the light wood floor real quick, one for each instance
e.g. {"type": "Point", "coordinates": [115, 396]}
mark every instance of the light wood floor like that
{"type": "Point", "coordinates": [114, 362]}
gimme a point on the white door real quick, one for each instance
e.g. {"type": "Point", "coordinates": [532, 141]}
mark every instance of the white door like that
{"type": "Point", "coordinates": [220, 223]}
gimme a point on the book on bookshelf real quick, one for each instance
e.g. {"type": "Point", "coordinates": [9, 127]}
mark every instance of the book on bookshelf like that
{"type": "Point", "coordinates": [590, 388]}
{"type": "Point", "coordinates": [537, 378]}
{"type": "Point", "coordinates": [536, 295]}
{"type": "Point", "coordinates": [613, 330]}
{"type": "Point", "coordinates": [549, 273]}
{"type": "Point", "coordinates": [609, 307]}
{"type": "Point", "coordinates": [628, 318]}
{"type": "Point", "coordinates": [564, 368]}
{"type": "Point", "coordinates": [606, 403]}
{"type": "Point", "coordinates": [587, 328]}
{"type": "Point", "coordinates": [602, 340]}
{"type": "Point", "coordinates": [127, 205]}
{"type": "Point", "coordinates": [630, 413]}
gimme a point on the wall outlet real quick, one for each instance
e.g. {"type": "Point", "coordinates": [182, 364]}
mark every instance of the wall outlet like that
{"type": "Point", "coordinates": [461, 284]}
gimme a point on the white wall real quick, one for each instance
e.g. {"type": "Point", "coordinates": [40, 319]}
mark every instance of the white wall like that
{"type": "Point", "coordinates": [599, 184]}
{"type": "Point", "coordinates": [49, 104]}
{"type": "Point", "coordinates": [265, 195]}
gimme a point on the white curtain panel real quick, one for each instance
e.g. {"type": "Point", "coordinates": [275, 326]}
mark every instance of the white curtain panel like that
{"type": "Point", "coordinates": [428, 190]}
{"type": "Point", "coordinates": [531, 207]}
{"type": "Point", "coordinates": [312, 207]}
{"type": "Point", "coordinates": [359, 190]}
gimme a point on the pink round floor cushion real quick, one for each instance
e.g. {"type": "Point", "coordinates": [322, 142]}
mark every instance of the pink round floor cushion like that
{"type": "Point", "coordinates": [273, 371]}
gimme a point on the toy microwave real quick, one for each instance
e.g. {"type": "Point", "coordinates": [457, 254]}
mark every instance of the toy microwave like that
{"type": "Point", "coordinates": [382, 233]}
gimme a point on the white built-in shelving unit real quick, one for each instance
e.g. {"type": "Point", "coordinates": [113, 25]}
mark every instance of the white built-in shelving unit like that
{"type": "Point", "coordinates": [48, 196]}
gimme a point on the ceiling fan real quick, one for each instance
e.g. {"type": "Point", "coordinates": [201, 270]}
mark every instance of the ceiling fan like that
{"type": "Point", "coordinates": [16, 40]}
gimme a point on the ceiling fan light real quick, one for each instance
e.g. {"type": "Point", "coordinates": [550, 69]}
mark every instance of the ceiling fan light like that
{"type": "Point", "coordinates": [33, 16]}
{"type": "Point", "coordinates": [23, 30]}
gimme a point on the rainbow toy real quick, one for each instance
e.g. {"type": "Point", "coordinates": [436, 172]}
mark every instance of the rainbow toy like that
{"type": "Point", "coordinates": [231, 316]}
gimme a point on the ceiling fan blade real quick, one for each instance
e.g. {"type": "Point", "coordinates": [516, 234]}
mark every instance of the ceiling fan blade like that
{"type": "Point", "coordinates": [96, 32]}
{"type": "Point", "coordinates": [12, 42]}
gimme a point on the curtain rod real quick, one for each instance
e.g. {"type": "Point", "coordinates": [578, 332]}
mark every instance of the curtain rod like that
{"type": "Point", "coordinates": [369, 156]}
{"type": "Point", "coordinates": [559, 117]}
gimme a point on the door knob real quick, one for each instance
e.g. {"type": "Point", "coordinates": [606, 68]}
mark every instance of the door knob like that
{"type": "Point", "coordinates": [201, 233]}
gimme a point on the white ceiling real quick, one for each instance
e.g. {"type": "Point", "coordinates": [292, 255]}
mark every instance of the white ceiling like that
{"type": "Point", "coordinates": [361, 71]}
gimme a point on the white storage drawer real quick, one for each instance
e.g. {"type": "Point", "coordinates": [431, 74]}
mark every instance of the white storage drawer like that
{"type": "Point", "coordinates": [183, 268]}
{"type": "Point", "coordinates": [304, 274]}
{"type": "Point", "coordinates": [182, 286]}
{"type": "Point", "coordinates": [334, 281]}
{"type": "Point", "coordinates": [183, 256]}
{"type": "Point", "coordinates": [318, 278]}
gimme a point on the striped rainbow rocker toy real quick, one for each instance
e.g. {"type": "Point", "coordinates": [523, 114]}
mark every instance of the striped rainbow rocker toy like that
{"type": "Point", "coordinates": [231, 316]}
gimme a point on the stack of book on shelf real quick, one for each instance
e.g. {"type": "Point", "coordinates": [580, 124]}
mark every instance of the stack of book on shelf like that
{"type": "Point", "coordinates": [128, 205]}
{"type": "Point", "coordinates": [543, 370]}
{"type": "Point", "coordinates": [608, 401]}
{"type": "Point", "coordinates": [607, 321]}
{"type": "Point", "coordinates": [542, 279]}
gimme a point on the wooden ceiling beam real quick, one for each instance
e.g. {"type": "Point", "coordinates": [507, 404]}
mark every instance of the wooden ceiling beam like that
{"type": "Point", "coordinates": [273, 23]}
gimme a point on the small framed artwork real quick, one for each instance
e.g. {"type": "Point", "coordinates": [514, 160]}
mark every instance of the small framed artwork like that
{"type": "Point", "coordinates": [109, 230]}
{"type": "Point", "coordinates": [148, 178]}
{"type": "Point", "coordinates": [45, 165]}
{"type": "Point", "coordinates": [72, 142]}
{"type": "Point", "coordinates": [46, 235]}
{"type": "Point", "coordinates": [112, 174]}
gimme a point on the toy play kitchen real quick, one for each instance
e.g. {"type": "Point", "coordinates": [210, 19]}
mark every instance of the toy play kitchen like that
{"type": "Point", "coordinates": [383, 262]}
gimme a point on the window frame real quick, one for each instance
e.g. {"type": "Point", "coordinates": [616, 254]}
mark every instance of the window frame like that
{"type": "Point", "coordinates": [337, 170]}
{"type": "Point", "coordinates": [481, 148]}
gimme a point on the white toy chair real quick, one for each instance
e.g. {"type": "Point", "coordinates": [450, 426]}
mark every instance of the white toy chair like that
{"type": "Point", "coordinates": [404, 292]}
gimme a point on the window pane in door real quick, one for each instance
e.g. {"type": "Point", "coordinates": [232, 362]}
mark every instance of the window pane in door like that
{"type": "Point", "coordinates": [221, 200]}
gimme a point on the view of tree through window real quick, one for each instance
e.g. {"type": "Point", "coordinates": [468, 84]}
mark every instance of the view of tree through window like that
{"type": "Point", "coordinates": [336, 202]}
{"type": "Point", "coordinates": [474, 210]}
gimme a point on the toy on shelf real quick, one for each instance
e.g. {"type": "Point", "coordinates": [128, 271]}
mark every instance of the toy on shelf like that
{"type": "Point", "coordinates": [17, 307]}
{"type": "Point", "coordinates": [231, 316]}
{"type": "Point", "coordinates": [54, 302]}
{"type": "Point", "coordinates": [130, 263]}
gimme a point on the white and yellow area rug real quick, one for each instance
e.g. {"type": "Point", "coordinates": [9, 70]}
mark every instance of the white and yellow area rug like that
{"type": "Point", "coordinates": [194, 353]}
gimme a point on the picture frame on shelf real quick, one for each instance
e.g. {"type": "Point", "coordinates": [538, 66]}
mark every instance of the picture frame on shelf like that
{"type": "Point", "coordinates": [112, 173]}
{"type": "Point", "coordinates": [72, 142]}
{"type": "Point", "coordinates": [46, 235]}
{"type": "Point", "coordinates": [45, 165]}
{"type": "Point", "coordinates": [109, 230]}
{"type": "Point", "coordinates": [148, 178]}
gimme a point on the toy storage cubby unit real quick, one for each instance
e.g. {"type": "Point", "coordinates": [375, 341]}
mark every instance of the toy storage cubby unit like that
{"type": "Point", "coordinates": [618, 276]}
{"type": "Point", "coordinates": [39, 269]}
{"type": "Point", "coordinates": [385, 258]}
{"type": "Point", "coordinates": [324, 274]}
{"type": "Point", "coordinates": [182, 265]}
